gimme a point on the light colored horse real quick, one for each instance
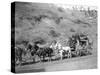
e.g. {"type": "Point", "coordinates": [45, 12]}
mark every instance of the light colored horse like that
{"type": "Point", "coordinates": [62, 49]}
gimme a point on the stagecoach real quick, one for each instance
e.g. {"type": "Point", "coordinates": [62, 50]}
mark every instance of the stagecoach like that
{"type": "Point", "coordinates": [83, 46]}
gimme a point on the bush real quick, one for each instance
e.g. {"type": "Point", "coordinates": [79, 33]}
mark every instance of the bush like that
{"type": "Point", "coordinates": [54, 33]}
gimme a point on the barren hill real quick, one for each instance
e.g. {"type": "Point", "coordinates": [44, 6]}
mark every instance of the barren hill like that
{"type": "Point", "coordinates": [47, 21]}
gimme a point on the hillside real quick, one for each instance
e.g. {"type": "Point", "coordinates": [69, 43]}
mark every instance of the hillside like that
{"type": "Point", "coordinates": [34, 21]}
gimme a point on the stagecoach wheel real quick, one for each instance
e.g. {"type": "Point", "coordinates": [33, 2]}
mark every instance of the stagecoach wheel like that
{"type": "Point", "coordinates": [70, 55]}
{"type": "Point", "coordinates": [77, 53]}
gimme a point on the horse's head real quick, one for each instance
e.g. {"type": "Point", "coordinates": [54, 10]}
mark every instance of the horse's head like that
{"type": "Point", "coordinates": [51, 46]}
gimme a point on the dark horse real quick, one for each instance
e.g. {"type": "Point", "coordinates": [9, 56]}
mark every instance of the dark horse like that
{"type": "Point", "coordinates": [33, 49]}
{"type": "Point", "coordinates": [45, 52]}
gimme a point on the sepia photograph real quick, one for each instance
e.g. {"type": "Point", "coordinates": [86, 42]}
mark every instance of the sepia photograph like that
{"type": "Point", "coordinates": [47, 37]}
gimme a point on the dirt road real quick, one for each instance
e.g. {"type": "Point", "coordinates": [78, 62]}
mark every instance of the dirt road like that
{"type": "Point", "coordinates": [86, 62]}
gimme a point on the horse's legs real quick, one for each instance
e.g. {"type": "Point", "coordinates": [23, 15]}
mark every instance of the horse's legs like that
{"type": "Point", "coordinates": [43, 58]}
{"type": "Point", "coordinates": [61, 56]}
{"type": "Point", "coordinates": [40, 59]}
{"type": "Point", "coordinates": [70, 54]}
{"type": "Point", "coordinates": [50, 58]}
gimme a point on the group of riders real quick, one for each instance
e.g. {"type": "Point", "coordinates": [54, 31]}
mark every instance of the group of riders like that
{"type": "Point", "coordinates": [77, 45]}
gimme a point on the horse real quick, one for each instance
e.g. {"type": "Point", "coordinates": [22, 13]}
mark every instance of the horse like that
{"type": "Point", "coordinates": [41, 53]}
{"type": "Point", "coordinates": [33, 49]}
{"type": "Point", "coordinates": [45, 52]}
{"type": "Point", "coordinates": [19, 52]}
{"type": "Point", "coordinates": [62, 49]}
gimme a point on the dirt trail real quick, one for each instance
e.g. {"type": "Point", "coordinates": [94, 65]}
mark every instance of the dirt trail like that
{"type": "Point", "coordinates": [78, 64]}
{"type": "Point", "coordinates": [86, 62]}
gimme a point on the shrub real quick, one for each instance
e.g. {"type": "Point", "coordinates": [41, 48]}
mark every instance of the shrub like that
{"type": "Point", "coordinates": [54, 33]}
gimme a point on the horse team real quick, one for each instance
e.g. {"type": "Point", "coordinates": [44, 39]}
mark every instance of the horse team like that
{"type": "Point", "coordinates": [77, 45]}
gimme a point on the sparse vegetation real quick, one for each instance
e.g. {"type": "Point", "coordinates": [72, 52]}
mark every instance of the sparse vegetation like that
{"type": "Point", "coordinates": [41, 23]}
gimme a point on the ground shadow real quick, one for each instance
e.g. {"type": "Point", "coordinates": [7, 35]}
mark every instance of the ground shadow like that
{"type": "Point", "coordinates": [32, 70]}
